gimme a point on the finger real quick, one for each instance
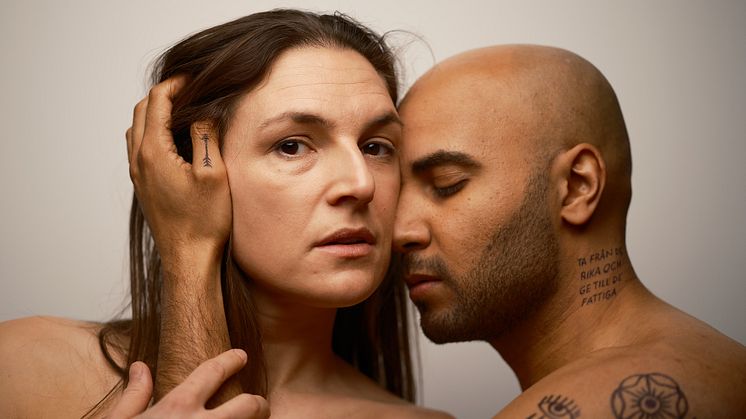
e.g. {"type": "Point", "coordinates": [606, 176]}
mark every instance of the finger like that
{"type": "Point", "coordinates": [246, 406]}
{"type": "Point", "coordinates": [136, 131]}
{"type": "Point", "coordinates": [136, 395]}
{"type": "Point", "coordinates": [205, 149]}
{"type": "Point", "coordinates": [158, 113]}
{"type": "Point", "coordinates": [206, 379]}
{"type": "Point", "coordinates": [128, 137]}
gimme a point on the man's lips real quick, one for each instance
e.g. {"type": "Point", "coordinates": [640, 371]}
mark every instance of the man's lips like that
{"type": "Point", "coordinates": [419, 285]}
{"type": "Point", "coordinates": [413, 280]}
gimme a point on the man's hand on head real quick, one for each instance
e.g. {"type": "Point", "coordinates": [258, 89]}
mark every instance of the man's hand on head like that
{"type": "Point", "coordinates": [188, 399]}
{"type": "Point", "coordinates": [186, 204]}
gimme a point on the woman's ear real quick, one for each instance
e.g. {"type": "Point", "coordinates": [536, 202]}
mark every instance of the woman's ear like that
{"type": "Point", "coordinates": [582, 172]}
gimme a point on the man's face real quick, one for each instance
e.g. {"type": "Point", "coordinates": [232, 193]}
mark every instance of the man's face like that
{"type": "Point", "coordinates": [478, 245]}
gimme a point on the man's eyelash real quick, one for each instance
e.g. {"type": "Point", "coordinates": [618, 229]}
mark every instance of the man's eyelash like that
{"type": "Point", "coordinates": [450, 190]}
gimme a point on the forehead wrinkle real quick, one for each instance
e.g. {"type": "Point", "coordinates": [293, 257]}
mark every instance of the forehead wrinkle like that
{"type": "Point", "coordinates": [288, 80]}
{"type": "Point", "coordinates": [314, 69]}
{"type": "Point", "coordinates": [338, 95]}
{"type": "Point", "coordinates": [322, 83]}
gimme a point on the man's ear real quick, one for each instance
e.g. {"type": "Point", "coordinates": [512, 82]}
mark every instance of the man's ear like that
{"type": "Point", "coordinates": [582, 174]}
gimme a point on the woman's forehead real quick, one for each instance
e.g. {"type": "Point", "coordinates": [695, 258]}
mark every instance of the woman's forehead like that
{"type": "Point", "coordinates": [336, 84]}
{"type": "Point", "coordinates": [320, 71]}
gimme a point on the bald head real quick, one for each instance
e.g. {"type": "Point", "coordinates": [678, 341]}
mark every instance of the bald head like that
{"type": "Point", "coordinates": [543, 99]}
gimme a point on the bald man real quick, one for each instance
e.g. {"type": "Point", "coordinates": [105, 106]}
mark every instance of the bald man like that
{"type": "Point", "coordinates": [515, 188]}
{"type": "Point", "coordinates": [516, 183]}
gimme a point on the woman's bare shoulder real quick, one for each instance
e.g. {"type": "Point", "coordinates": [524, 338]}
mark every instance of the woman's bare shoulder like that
{"type": "Point", "coordinates": [51, 367]}
{"type": "Point", "coordinates": [369, 399]}
{"type": "Point", "coordinates": [325, 405]}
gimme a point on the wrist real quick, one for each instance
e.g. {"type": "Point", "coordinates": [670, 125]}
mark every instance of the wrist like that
{"type": "Point", "coordinates": [191, 263]}
{"type": "Point", "coordinates": [190, 253]}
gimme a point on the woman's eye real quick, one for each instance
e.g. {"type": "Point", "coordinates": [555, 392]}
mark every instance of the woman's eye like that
{"type": "Point", "coordinates": [446, 191]}
{"type": "Point", "coordinates": [377, 149]}
{"type": "Point", "coordinates": [292, 148]}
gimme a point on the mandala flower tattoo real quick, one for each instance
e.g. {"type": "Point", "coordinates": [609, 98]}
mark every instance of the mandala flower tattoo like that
{"type": "Point", "coordinates": [648, 396]}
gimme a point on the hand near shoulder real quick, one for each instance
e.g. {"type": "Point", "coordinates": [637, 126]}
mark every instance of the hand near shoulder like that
{"type": "Point", "coordinates": [187, 204]}
{"type": "Point", "coordinates": [188, 399]}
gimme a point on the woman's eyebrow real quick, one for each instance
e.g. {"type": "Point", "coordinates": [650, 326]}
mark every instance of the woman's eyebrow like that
{"type": "Point", "coordinates": [308, 118]}
{"type": "Point", "coordinates": [382, 120]}
{"type": "Point", "coordinates": [442, 158]}
{"type": "Point", "coordinates": [299, 118]}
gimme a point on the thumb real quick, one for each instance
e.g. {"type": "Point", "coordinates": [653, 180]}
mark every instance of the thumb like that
{"type": "Point", "coordinates": [136, 395]}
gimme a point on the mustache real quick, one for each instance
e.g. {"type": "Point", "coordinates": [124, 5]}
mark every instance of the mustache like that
{"type": "Point", "coordinates": [434, 265]}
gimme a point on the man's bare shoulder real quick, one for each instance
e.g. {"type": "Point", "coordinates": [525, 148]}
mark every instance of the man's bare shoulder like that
{"type": "Point", "coordinates": [51, 367]}
{"type": "Point", "coordinates": [686, 375]}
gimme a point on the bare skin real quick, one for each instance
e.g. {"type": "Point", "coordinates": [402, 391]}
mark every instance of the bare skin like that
{"type": "Point", "coordinates": [599, 344]}
{"type": "Point", "coordinates": [54, 368]}
{"type": "Point", "coordinates": [40, 357]}
{"type": "Point", "coordinates": [165, 186]}
{"type": "Point", "coordinates": [579, 329]}
{"type": "Point", "coordinates": [306, 379]}
{"type": "Point", "coordinates": [189, 398]}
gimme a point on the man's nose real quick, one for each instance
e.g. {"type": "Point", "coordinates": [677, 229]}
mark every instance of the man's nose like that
{"type": "Point", "coordinates": [411, 228]}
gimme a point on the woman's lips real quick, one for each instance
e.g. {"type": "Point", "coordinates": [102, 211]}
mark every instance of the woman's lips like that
{"type": "Point", "coordinates": [348, 243]}
{"type": "Point", "coordinates": [351, 250]}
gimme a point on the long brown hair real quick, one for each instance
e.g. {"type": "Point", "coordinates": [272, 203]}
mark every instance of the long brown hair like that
{"type": "Point", "coordinates": [222, 64]}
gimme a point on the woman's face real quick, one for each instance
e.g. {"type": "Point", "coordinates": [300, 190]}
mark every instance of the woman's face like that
{"type": "Point", "coordinates": [314, 177]}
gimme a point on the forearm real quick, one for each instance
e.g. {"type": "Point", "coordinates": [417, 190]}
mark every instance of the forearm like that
{"type": "Point", "coordinates": [188, 210]}
{"type": "Point", "coordinates": [193, 325]}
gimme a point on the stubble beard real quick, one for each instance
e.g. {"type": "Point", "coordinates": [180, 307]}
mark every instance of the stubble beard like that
{"type": "Point", "coordinates": [514, 276]}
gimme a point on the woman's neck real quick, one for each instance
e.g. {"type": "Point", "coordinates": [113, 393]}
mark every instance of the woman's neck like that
{"type": "Point", "coordinates": [297, 341]}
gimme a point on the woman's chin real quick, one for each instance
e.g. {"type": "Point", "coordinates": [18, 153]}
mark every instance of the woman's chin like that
{"type": "Point", "coordinates": [344, 295]}
{"type": "Point", "coordinates": [337, 292]}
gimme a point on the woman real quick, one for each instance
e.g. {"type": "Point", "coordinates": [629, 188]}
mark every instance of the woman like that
{"type": "Point", "coordinates": [289, 121]}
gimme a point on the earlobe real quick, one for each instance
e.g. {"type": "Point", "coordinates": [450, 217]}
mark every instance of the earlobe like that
{"type": "Point", "coordinates": [584, 176]}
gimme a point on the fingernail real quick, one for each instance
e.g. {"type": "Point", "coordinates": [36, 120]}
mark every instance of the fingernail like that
{"type": "Point", "coordinates": [135, 371]}
{"type": "Point", "coordinates": [241, 353]}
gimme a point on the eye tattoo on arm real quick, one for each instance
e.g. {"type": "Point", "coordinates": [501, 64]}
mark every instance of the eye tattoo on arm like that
{"type": "Point", "coordinates": [556, 407]}
{"type": "Point", "coordinates": [649, 396]}
{"type": "Point", "coordinates": [206, 162]}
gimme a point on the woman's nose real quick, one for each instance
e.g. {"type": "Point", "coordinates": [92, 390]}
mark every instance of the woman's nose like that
{"type": "Point", "coordinates": [352, 179]}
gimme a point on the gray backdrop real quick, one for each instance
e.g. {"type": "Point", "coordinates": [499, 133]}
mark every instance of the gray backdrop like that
{"type": "Point", "coordinates": [72, 71]}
